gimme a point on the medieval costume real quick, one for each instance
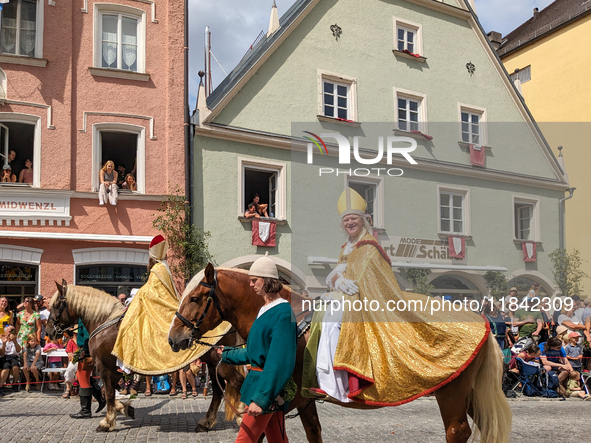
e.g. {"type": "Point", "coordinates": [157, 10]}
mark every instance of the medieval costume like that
{"type": "Point", "coordinates": [271, 352]}
{"type": "Point", "coordinates": [383, 357]}
{"type": "Point", "coordinates": [142, 341]}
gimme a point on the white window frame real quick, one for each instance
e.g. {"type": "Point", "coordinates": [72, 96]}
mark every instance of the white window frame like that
{"type": "Point", "coordinates": [523, 75]}
{"type": "Point", "coordinates": [15, 117]}
{"type": "Point", "coordinates": [140, 131]}
{"type": "Point", "coordinates": [466, 220]}
{"type": "Point", "coordinates": [415, 96]}
{"type": "Point", "coordinates": [379, 206]}
{"type": "Point", "coordinates": [38, 32]}
{"type": "Point", "coordinates": [101, 9]}
{"type": "Point", "coordinates": [482, 124]}
{"type": "Point", "coordinates": [351, 84]}
{"type": "Point", "coordinates": [267, 166]}
{"type": "Point", "coordinates": [409, 26]}
{"type": "Point", "coordinates": [535, 219]}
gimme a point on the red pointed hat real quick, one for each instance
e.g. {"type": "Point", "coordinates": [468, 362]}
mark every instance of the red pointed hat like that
{"type": "Point", "coordinates": [158, 248]}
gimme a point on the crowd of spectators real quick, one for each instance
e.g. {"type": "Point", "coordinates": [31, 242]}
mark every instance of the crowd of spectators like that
{"type": "Point", "coordinates": [112, 179]}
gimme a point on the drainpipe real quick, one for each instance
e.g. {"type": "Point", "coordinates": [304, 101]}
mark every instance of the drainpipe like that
{"type": "Point", "coordinates": [187, 126]}
{"type": "Point", "coordinates": [561, 230]}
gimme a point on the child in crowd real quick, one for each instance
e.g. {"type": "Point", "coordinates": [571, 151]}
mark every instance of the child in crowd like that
{"type": "Point", "coordinates": [573, 350]}
{"type": "Point", "coordinates": [574, 387]}
{"type": "Point", "coordinates": [33, 363]}
{"type": "Point", "coordinates": [53, 362]}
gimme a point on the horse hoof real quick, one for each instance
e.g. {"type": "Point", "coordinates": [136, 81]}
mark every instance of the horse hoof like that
{"type": "Point", "coordinates": [101, 429]}
{"type": "Point", "coordinates": [130, 412]}
{"type": "Point", "coordinates": [201, 428]}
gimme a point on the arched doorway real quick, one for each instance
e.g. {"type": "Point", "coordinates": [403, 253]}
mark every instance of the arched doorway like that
{"type": "Point", "coordinates": [523, 284]}
{"type": "Point", "coordinates": [457, 286]}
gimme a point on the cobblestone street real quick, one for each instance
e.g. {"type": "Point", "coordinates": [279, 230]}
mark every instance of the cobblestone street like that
{"type": "Point", "coordinates": [44, 418]}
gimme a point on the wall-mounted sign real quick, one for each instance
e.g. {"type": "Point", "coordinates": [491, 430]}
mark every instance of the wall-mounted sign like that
{"type": "Point", "coordinates": [412, 249]}
{"type": "Point", "coordinates": [34, 206]}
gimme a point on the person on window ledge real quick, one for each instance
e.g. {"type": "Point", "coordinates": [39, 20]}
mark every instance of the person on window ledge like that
{"type": "Point", "coordinates": [7, 175]}
{"type": "Point", "coordinates": [260, 207]}
{"type": "Point", "coordinates": [26, 174]}
{"type": "Point", "coordinates": [252, 211]}
{"type": "Point", "coordinates": [129, 183]}
{"type": "Point", "coordinates": [121, 176]}
{"type": "Point", "coordinates": [108, 187]}
{"type": "Point", "coordinates": [11, 157]}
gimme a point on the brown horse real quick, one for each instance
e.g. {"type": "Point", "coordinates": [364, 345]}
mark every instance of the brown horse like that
{"type": "Point", "coordinates": [95, 308]}
{"type": "Point", "coordinates": [476, 391]}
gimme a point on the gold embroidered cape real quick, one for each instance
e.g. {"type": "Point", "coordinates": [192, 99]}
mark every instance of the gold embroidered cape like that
{"type": "Point", "coordinates": [394, 357]}
{"type": "Point", "coordinates": [142, 341]}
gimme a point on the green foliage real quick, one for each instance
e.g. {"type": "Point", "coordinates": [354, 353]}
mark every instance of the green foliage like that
{"type": "Point", "coordinates": [497, 284]}
{"type": "Point", "coordinates": [567, 271]}
{"type": "Point", "coordinates": [418, 277]}
{"type": "Point", "coordinates": [188, 244]}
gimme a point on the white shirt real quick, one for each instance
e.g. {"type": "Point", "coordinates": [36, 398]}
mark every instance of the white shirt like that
{"type": "Point", "coordinates": [265, 308]}
{"type": "Point", "coordinates": [9, 347]}
{"type": "Point", "coordinates": [44, 314]}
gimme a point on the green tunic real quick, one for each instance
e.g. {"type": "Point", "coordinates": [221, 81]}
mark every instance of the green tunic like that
{"type": "Point", "coordinates": [82, 338]}
{"type": "Point", "coordinates": [271, 346]}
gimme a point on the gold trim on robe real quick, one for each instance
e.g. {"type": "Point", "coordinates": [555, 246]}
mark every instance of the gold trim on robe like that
{"type": "Point", "coordinates": [142, 341]}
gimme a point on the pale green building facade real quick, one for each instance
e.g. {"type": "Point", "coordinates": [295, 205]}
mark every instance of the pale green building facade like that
{"type": "Point", "coordinates": [379, 69]}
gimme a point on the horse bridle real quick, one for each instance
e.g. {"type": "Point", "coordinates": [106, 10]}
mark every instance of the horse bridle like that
{"type": "Point", "coordinates": [211, 297]}
{"type": "Point", "coordinates": [59, 328]}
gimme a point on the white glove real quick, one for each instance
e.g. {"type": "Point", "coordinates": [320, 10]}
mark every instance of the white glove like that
{"type": "Point", "coordinates": [336, 272]}
{"type": "Point", "coordinates": [349, 287]}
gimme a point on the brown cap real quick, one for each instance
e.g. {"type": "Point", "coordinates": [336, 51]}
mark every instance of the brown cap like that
{"type": "Point", "coordinates": [513, 289]}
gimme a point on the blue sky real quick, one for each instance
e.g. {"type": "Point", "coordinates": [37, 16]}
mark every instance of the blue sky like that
{"type": "Point", "coordinates": [236, 23]}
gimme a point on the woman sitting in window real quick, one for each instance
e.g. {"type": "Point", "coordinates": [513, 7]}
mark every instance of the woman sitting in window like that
{"type": "Point", "coordinates": [7, 175]}
{"type": "Point", "coordinates": [129, 183]}
{"type": "Point", "coordinates": [26, 174]}
{"type": "Point", "coordinates": [108, 186]}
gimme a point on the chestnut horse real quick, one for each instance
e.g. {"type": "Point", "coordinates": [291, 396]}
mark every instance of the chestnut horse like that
{"type": "Point", "coordinates": [95, 308]}
{"type": "Point", "coordinates": [476, 391]}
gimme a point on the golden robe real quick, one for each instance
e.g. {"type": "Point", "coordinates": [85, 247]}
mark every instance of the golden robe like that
{"type": "Point", "coordinates": [142, 341]}
{"type": "Point", "coordinates": [394, 357]}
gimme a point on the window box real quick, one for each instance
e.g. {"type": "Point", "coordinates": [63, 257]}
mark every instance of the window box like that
{"type": "Point", "coordinates": [119, 73]}
{"type": "Point", "coordinates": [413, 134]}
{"type": "Point", "coordinates": [407, 54]}
{"type": "Point", "coordinates": [342, 121]}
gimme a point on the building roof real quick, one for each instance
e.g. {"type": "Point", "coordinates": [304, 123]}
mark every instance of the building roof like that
{"type": "Point", "coordinates": [556, 15]}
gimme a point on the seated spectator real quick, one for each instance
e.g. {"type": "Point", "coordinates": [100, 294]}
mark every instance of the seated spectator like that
{"type": "Point", "coordinates": [129, 183]}
{"type": "Point", "coordinates": [554, 358]}
{"type": "Point", "coordinates": [32, 361]}
{"type": "Point", "coordinates": [573, 387]}
{"type": "Point", "coordinates": [252, 211]}
{"type": "Point", "coordinates": [5, 314]}
{"type": "Point", "coordinates": [562, 333]}
{"type": "Point", "coordinates": [532, 353]}
{"type": "Point", "coordinates": [12, 350]}
{"type": "Point", "coordinates": [26, 174]}
{"type": "Point", "coordinates": [574, 353]}
{"type": "Point", "coordinates": [260, 207]}
{"type": "Point", "coordinates": [570, 320]}
{"type": "Point", "coordinates": [7, 175]}
{"type": "Point", "coordinates": [71, 348]}
{"type": "Point", "coordinates": [108, 184]}
{"type": "Point", "coordinates": [498, 323]}
{"type": "Point", "coordinates": [120, 176]}
{"type": "Point", "coordinates": [53, 362]}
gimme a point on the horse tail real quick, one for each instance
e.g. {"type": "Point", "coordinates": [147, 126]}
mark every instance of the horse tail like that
{"type": "Point", "coordinates": [232, 397]}
{"type": "Point", "coordinates": [491, 412]}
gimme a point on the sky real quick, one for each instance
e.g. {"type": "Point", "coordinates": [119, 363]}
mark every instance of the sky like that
{"type": "Point", "coordinates": [235, 25]}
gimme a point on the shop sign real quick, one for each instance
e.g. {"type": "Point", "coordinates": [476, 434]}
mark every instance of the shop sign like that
{"type": "Point", "coordinates": [25, 205]}
{"type": "Point", "coordinates": [413, 249]}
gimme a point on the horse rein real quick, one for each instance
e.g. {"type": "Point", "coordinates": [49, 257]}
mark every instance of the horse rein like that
{"type": "Point", "coordinates": [59, 328]}
{"type": "Point", "coordinates": [210, 298]}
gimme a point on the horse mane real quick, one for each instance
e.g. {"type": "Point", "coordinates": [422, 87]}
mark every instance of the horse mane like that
{"type": "Point", "coordinates": [93, 305]}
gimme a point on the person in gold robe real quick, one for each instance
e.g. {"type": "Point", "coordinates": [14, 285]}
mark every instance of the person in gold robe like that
{"type": "Point", "coordinates": [142, 342]}
{"type": "Point", "coordinates": [378, 355]}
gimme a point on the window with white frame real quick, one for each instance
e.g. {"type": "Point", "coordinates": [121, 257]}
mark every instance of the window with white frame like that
{"type": "Point", "coordinates": [471, 127]}
{"type": "Point", "coordinates": [452, 212]}
{"type": "Point", "coordinates": [265, 181]}
{"type": "Point", "coordinates": [337, 96]}
{"type": "Point", "coordinates": [20, 146]}
{"type": "Point", "coordinates": [119, 38]}
{"type": "Point", "coordinates": [21, 28]}
{"type": "Point", "coordinates": [524, 220]}
{"type": "Point", "coordinates": [124, 145]}
{"type": "Point", "coordinates": [370, 191]}
{"type": "Point", "coordinates": [407, 36]}
{"type": "Point", "coordinates": [410, 111]}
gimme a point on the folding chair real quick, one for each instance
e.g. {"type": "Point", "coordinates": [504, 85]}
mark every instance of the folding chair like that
{"type": "Point", "coordinates": [48, 370]}
{"type": "Point", "coordinates": [530, 376]}
{"type": "Point", "coordinates": [585, 376]}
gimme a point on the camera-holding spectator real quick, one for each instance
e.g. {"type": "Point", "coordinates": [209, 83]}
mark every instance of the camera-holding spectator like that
{"type": "Point", "coordinates": [573, 387]}
{"type": "Point", "coordinates": [12, 349]}
{"type": "Point", "coordinates": [53, 362]}
{"type": "Point", "coordinates": [574, 352]}
{"type": "Point", "coordinates": [108, 184]}
{"type": "Point", "coordinates": [252, 211]}
{"type": "Point", "coordinates": [129, 183]}
{"type": "Point", "coordinates": [7, 175]}
{"type": "Point", "coordinates": [26, 174]}
{"type": "Point", "coordinates": [28, 321]}
{"type": "Point", "coordinates": [32, 361]}
{"type": "Point", "coordinates": [5, 315]}
{"type": "Point", "coordinates": [122, 295]}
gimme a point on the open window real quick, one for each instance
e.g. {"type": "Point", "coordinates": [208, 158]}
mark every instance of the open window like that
{"type": "Point", "coordinates": [525, 219]}
{"type": "Point", "coordinates": [268, 181]}
{"type": "Point", "coordinates": [17, 149]}
{"type": "Point", "coordinates": [372, 191]}
{"type": "Point", "coordinates": [124, 145]}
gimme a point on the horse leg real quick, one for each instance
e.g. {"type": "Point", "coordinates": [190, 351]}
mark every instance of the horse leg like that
{"type": "Point", "coordinates": [210, 419]}
{"type": "Point", "coordinates": [124, 408]}
{"type": "Point", "coordinates": [107, 424]}
{"type": "Point", "coordinates": [310, 421]}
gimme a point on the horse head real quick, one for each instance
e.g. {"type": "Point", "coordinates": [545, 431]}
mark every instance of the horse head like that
{"type": "Point", "coordinates": [59, 315]}
{"type": "Point", "coordinates": [199, 311]}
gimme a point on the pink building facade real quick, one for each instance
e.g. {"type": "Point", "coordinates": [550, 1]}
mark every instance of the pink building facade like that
{"type": "Point", "coordinates": [83, 82]}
